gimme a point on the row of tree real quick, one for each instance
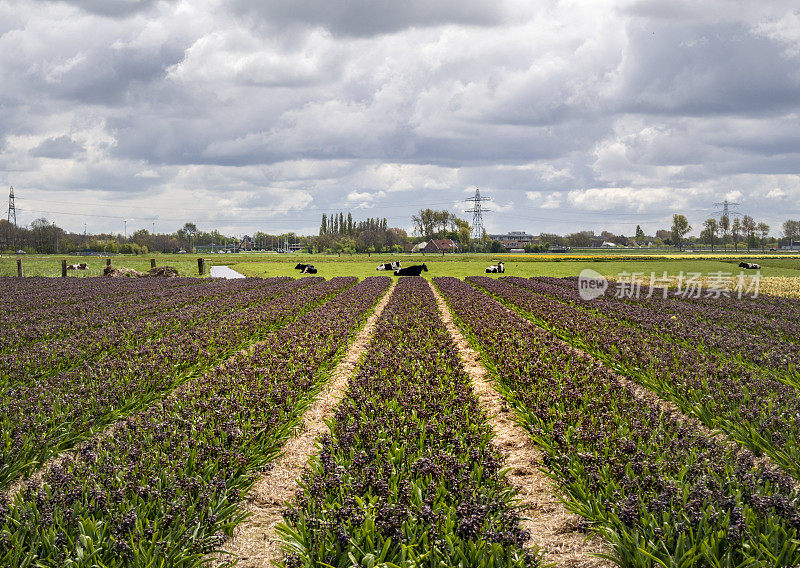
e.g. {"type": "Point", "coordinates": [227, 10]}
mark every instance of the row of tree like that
{"type": "Point", "coordinates": [45, 237]}
{"type": "Point", "coordinates": [341, 233]}
{"type": "Point", "coordinates": [744, 230]}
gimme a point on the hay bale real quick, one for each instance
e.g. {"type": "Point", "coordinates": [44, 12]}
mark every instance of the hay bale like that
{"type": "Point", "coordinates": [163, 272]}
{"type": "Point", "coordinates": [112, 272]}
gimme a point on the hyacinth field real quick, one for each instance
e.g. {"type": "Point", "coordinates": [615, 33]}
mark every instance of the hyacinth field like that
{"type": "Point", "coordinates": [138, 414]}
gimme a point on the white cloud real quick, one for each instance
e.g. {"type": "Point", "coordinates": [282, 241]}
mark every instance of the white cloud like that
{"type": "Point", "coordinates": [581, 110]}
{"type": "Point", "coordinates": [630, 199]}
{"type": "Point", "coordinates": [544, 200]}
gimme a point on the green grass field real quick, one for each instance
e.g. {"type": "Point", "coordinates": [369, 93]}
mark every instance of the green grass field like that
{"type": "Point", "coordinates": [50, 265]}
{"type": "Point", "coordinates": [257, 264]}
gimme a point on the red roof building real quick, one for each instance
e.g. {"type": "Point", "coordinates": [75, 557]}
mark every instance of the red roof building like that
{"type": "Point", "coordinates": [440, 245]}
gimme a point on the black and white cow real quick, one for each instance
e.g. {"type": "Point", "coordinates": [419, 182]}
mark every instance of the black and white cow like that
{"type": "Point", "coordinates": [414, 270]}
{"type": "Point", "coordinates": [750, 265]}
{"type": "Point", "coordinates": [308, 269]}
{"type": "Point", "coordinates": [389, 265]}
{"type": "Point", "coordinates": [498, 268]}
{"type": "Point", "coordinates": [301, 267]}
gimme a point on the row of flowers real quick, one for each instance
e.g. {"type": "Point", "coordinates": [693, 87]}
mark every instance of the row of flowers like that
{"type": "Point", "coordinates": [684, 323]}
{"type": "Point", "coordinates": [757, 316]}
{"type": "Point", "coordinates": [145, 318]}
{"type": "Point", "coordinates": [164, 488]}
{"type": "Point", "coordinates": [660, 492]}
{"type": "Point", "coordinates": [139, 299]}
{"type": "Point", "coordinates": [42, 417]}
{"type": "Point", "coordinates": [408, 475]}
{"type": "Point", "coordinates": [34, 298]}
{"type": "Point", "coordinates": [710, 292]}
{"type": "Point", "coordinates": [756, 410]}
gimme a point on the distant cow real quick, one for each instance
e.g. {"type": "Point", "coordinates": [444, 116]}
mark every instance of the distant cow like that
{"type": "Point", "coordinates": [496, 269]}
{"type": "Point", "coordinates": [82, 266]}
{"type": "Point", "coordinates": [415, 270]}
{"type": "Point", "coordinates": [750, 265]}
{"type": "Point", "coordinates": [389, 265]}
{"type": "Point", "coordinates": [308, 269]}
{"type": "Point", "coordinates": [301, 267]}
{"type": "Point", "coordinates": [72, 266]}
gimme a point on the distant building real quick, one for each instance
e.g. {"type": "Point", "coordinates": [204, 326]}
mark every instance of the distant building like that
{"type": "Point", "coordinates": [440, 245]}
{"type": "Point", "coordinates": [515, 239]}
{"type": "Point", "coordinates": [794, 246]}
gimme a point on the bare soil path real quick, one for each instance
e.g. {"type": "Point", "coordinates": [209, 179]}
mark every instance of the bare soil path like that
{"type": "Point", "coordinates": [254, 541]}
{"type": "Point", "coordinates": [552, 527]}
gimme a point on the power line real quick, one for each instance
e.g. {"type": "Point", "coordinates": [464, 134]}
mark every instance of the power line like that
{"type": "Point", "coordinates": [571, 211]}
{"type": "Point", "coordinates": [179, 220]}
{"type": "Point", "coordinates": [215, 209]}
{"type": "Point", "coordinates": [231, 222]}
{"type": "Point", "coordinates": [560, 220]}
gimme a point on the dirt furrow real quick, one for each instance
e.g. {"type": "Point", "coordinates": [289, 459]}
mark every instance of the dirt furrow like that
{"type": "Point", "coordinates": [552, 527]}
{"type": "Point", "coordinates": [254, 541]}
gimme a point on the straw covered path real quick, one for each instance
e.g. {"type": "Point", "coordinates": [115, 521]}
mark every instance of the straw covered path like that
{"type": "Point", "coordinates": [254, 541]}
{"type": "Point", "coordinates": [552, 527]}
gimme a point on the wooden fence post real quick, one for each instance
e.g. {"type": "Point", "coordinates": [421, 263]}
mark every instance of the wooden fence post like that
{"type": "Point", "coordinates": [108, 262]}
{"type": "Point", "coordinates": [200, 266]}
{"type": "Point", "coordinates": [63, 268]}
{"type": "Point", "coordinates": [19, 267]}
{"type": "Point", "coordinates": [152, 263]}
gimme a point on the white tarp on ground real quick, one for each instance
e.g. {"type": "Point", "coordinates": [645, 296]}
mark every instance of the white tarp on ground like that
{"type": "Point", "coordinates": [224, 272]}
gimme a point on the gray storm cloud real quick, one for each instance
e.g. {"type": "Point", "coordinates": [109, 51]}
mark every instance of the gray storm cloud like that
{"type": "Point", "coordinates": [563, 113]}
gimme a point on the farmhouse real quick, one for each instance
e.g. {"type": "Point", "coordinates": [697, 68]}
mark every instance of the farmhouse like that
{"type": "Point", "coordinates": [440, 245]}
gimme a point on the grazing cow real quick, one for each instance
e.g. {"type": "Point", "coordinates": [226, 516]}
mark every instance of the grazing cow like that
{"type": "Point", "coordinates": [750, 265]}
{"type": "Point", "coordinates": [389, 265]}
{"type": "Point", "coordinates": [415, 270]}
{"type": "Point", "coordinates": [496, 269]}
{"type": "Point", "coordinates": [308, 269]}
{"type": "Point", "coordinates": [301, 267]}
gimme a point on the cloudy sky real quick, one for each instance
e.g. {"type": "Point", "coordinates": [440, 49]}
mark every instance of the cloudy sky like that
{"type": "Point", "coordinates": [263, 114]}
